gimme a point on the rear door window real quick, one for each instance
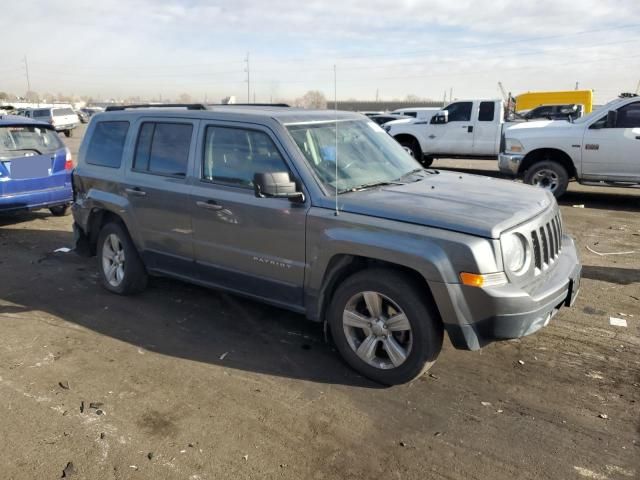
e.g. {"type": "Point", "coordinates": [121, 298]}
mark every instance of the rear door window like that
{"type": "Point", "coordinates": [163, 148]}
{"type": "Point", "coordinates": [42, 113]}
{"type": "Point", "coordinates": [107, 144]}
{"type": "Point", "coordinates": [487, 111]}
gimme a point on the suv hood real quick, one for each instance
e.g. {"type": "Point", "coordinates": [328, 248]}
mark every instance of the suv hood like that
{"type": "Point", "coordinates": [472, 204]}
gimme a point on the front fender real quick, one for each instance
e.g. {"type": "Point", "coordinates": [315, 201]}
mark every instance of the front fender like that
{"type": "Point", "coordinates": [436, 255]}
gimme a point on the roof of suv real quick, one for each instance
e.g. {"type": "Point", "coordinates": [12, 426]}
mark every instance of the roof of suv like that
{"type": "Point", "coordinates": [19, 120]}
{"type": "Point", "coordinates": [249, 113]}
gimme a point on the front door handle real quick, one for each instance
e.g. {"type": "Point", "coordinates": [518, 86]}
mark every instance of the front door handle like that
{"type": "Point", "coordinates": [209, 205]}
{"type": "Point", "coordinates": [136, 192]}
{"type": "Point", "coordinates": [637, 137]}
{"type": "Point", "coordinates": [470, 129]}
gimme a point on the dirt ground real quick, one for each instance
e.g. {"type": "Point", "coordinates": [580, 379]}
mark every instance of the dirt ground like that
{"type": "Point", "coordinates": [187, 383]}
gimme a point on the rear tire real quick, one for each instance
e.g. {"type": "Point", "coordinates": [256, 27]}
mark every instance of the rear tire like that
{"type": "Point", "coordinates": [427, 161]}
{"type": "Point", "coordinates": [121, 268]}
{"type": "Point", "coordinates": [60, 210]}
{"type": "Point", "coordinates": [68, 133]}
{"type": "Point", "coordinates": [419, 335]}
{"type": "Point", "coordinates": [550, 175]}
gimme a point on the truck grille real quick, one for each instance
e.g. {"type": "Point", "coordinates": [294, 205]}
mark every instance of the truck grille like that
{"type": "Point", "coordinates": [547, 243]}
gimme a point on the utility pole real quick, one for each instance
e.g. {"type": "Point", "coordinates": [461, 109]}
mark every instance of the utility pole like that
{"type": "Point", "coordinates": [248, 70]}
{"type": "Point", "coordinates": [638, 88]}
{"type": "Point", "coordinates": [444, 99]}
{"type": "Point", "coordinates": [26, 67]}
{"type": "Point", "coordinates": [377, 95]}
{"type": "Point", "coordinates": [451, 95]}
{"type": "Point", "coordinates": [577, 85]}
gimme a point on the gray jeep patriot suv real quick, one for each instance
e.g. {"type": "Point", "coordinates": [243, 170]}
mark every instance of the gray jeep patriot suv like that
{"type": "Point", "coordinates": [323, 213]}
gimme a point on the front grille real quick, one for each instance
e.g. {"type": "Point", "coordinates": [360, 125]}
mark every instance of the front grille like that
{"type": "Point", "coordinates": [547, 243]}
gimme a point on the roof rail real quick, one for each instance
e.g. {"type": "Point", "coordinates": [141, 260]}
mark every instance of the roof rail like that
{"type": "Point", "coordinates": [188, 106]}
{"type": "Point", "coordinates": [283, 105]}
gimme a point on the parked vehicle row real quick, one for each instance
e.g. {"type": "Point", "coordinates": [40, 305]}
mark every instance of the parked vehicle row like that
{"type": "Point", "coordinates": [324, 214]}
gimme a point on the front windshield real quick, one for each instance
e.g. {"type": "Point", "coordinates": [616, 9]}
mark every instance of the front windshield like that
{"type": "Point", "coordinates": [366, 155]}
{"type": "Point", "coordinates": [17, 140]}
{"type": "Point", "coordinates": [597, 112]}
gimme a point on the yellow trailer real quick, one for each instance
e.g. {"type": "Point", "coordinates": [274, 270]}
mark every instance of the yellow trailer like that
{"type": "Point", "coordinates": [529, 100]}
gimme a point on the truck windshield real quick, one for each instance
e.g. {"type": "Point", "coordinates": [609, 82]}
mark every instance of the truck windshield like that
{"type": "Point", "coordinates": [15, 140]}
{"type": "Point", "coordinates": [366, 155]}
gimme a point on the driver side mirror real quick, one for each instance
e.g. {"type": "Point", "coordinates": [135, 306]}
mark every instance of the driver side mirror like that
{"type": "Point", "coordinates": [276, 185]}
{"type": "Point", "coordinates": [612, 119]}
{"type": "Point", "coordinates": [440, 118]}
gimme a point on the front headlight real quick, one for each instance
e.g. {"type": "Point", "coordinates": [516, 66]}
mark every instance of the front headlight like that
{"type": "Point", "coordinates": [514, 253]}
{"type": "Point", "coordinates": [513, 145]}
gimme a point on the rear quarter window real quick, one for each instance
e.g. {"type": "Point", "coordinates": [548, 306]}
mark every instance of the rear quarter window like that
{"type": "Point", "coordinates": [42, 113]}
{"type": "Point", "coordinates": [63, 111]}
{"type": "Point", "coordinates": [107, 144]}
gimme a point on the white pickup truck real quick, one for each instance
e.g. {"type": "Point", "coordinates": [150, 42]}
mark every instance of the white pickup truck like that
{"type": "Point", "coordinates": [602, 148]}
{"type": "Point", "coordinates": [466, 128]}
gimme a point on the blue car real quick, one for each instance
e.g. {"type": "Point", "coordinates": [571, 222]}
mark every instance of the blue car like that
{"type": "Point", "coordinates": [35, 167]}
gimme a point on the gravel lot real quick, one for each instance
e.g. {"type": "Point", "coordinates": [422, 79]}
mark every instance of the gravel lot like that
{"type": "Point", "coordinates": [198, 384]}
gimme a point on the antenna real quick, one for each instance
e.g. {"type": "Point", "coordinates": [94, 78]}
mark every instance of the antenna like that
{"type": "Point", "coordinates": [335, 107]}
{"type": "Point", "coordinates": [248, 70]}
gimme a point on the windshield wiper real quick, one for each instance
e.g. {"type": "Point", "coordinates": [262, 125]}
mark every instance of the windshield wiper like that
{"type": "Point", "coordinates": [364, 186]}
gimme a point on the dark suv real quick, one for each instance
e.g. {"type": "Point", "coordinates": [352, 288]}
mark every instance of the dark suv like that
{"type": "Point", "coordinates": [322, 213]}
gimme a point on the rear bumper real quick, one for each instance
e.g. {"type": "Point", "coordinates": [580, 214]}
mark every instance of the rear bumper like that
{"type": "Point", "coordinates": [35, 200]}
{"type": "Point", "coordinates": [509, 163]}
{"type": "Point", "coordinates": [474, 317]}
{"type": "Point", "coordinates": [62, 128]}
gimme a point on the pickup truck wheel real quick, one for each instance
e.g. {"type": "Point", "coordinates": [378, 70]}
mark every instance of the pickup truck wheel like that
{"type": "Point", "coordinates": [68, 133]}
{"type": "Point", "coordinates": [427, 161]}
{"type": "Point", "coordinates": [412, 147]}
{"type": "Point", "coordinates": [383, 327]}
{"type": "Point", "coordinates": [549, 175]}
{"type": "Point", "coordinates": [59, 210]}
{"type": "Point", "coordinates": [121, 268]}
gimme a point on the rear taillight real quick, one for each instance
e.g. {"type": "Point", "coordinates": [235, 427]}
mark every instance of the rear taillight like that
{"type": "Point", "coordinates": [68, 163]}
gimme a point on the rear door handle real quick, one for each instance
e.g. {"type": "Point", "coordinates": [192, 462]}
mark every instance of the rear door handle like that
{"type": "Point", "coordinates": [209, 205]}
{"type": "Point", "coordinates": [637, 137]}
{"type": "Point", "coordinates": [136, 192]}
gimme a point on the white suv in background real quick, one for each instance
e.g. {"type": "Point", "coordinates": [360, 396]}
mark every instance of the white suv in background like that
{"type": "Point", "coordinates": [63, 119]}
{"type": "Point", "coordinates": [602, 148]}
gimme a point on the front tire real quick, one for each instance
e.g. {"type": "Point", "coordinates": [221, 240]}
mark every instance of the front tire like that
{"type": "Point", "coordinates": [384, 326]}
{"type": "Point", "coordinates": [121, 268]}
{"type": "Point", "coordinates": [412, 147]}
{"type": "Point", "coordinates": [549, 175]}
{"type": "Point", "coordinates": [68, 133]}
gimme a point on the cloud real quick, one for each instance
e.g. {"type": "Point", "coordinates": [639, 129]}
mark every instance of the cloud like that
{"type": "Point", "coordinates": [147, 47]}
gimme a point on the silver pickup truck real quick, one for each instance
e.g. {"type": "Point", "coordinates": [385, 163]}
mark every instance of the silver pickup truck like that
{"type": "Point", "coordinates": [324, 214]}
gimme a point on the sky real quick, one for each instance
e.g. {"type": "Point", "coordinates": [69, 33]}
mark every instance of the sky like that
{"type": "Point", "coordinates": [380, 48]}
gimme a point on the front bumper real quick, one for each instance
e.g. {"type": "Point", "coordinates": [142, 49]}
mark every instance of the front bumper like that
{"type": "Point", "coordinates": [474, 317]}
{"type": "Point", "coordinates": [509, 163]}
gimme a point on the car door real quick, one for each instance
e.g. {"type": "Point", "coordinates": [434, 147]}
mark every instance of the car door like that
{"type": "Point", "coordinates": [157, 189]}
{"type": "Point", "coordinates": [251, 245]}
{"type": "Point", "coordinates": [486, 134]}
{"type": "Point", "coordinates": [613, 152]}
{"type": "Point", "coordinates": [454, 137]}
